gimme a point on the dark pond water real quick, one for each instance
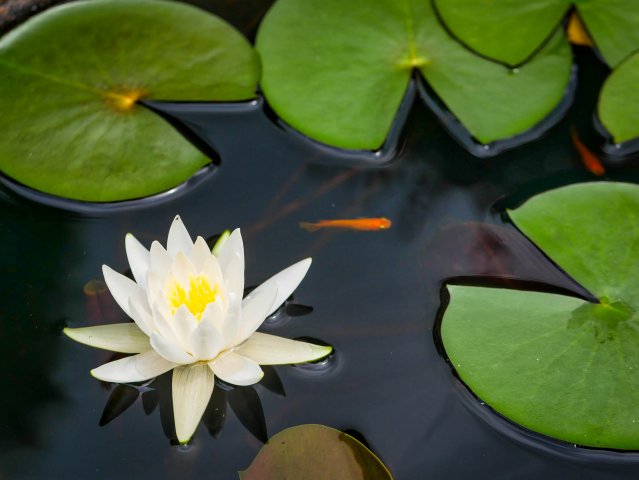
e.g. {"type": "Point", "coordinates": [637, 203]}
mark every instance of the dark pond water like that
{"type": "Point", "coordinates": [375, 297]}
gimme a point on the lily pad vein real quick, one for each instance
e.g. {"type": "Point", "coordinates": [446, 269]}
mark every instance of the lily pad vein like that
{"type": "Point", "coordinates": [51, 78]}
{"type": "Point", "coordinates": [553, 360]}
{"type": "Point", "coordinates": [517, 348]}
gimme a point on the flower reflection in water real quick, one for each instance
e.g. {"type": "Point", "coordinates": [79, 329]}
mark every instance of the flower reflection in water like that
{"type": "Point", "coordinates": [244, 401]}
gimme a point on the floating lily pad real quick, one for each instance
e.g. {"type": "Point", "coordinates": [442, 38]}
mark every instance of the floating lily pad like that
{"type": "Point", "coordinates": [512, 30]}
{"type": "Point", "coordinates": [337, 71]}
{"type": "Point", "coordinates": [315, 452]}
{"type": "Point", "coordinates": [560, 365]}
{"type": "Point", "coordinates": [613, 25]}
{"type": "Point", "coordinates": [70, 79]}
{"type": "Point", "coordinates": [619, 101]}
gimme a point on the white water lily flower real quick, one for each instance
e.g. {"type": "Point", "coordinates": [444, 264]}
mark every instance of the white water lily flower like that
{"type": "Point", "coordinates": [189, 316]}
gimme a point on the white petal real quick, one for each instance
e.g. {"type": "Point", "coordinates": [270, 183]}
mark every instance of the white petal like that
{"type": "Point", "coordinates": [137, 368]}
{"type": "Point", "coordinates": [205, 342]}
{"type": "Point", "coordinates": [140, 313]}
{"type": "Point", "coordinates": [118, 337]}
{"type": "Point", "coordinates": [183, 325]}
{"type": "Point", "coordinates": [162, 318]}
{"type": "Point", "coordinates": [287, 281]}
{"type": "Point", "coordinates": [192, 389]}
{"type": "Point", "coordinates": [231, 322]}
{"type": "Point", "coordinates": [214, 314]}
{"type": "Point", "coordinates": [182, 268]}
{"type": "Point", "coordinates": [236, 369]}
{"type": "Point", "coordinates": [234, 277]}
{"type": "Point", "coordinates": [200, 252]}
{"type": "Point", "coordinates": [154, 288]}
{"type": "Point", "coordinates": [255, 308]}
{"type": "Point", "coordinates": [170, 350]}
{"type": "Point", "coordinates": [272, 350]}
{"type": "Point", "coordinates": [233, 247]}
{"type": "Point", "coordinates": [121, 287]}
{"type": "Point", "coordinates": [231, 260]}
{"type": "Point", "coordinates": [179, 239]}
{"type": "Point", "coordinates": [226, 321]}
{"type": "Point", "coordinates": [211, 269]}
{"type": "Point", "coordinates": [159, 260]}
{"type": "Point", "coordinates": [138, 257]}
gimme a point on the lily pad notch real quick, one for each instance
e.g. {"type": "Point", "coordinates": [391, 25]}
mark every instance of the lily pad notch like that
{"type": "Point", "coordinates": [558, 365]}
{"type": "Point", "coordinates": [72, 123]}
{"type": "Point", "coordinates": [511, 31]}
{"type": "Point", "coordinates": [344, 80]}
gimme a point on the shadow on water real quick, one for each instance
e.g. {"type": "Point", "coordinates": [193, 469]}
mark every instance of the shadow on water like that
{"type": "Point", "coordinates": [244, 401]}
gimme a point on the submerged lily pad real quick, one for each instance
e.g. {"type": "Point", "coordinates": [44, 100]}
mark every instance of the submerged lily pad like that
{"type": "Point", "coordinates": [70, 79]}
{"type": "Point", "coordinates": [619, 101]}
{"type": "Point", "coordinates": [337, 71]}
{"type": "Point", "coordinates": [315, 452]}
{"type": "Point", "coordinates": [512, 30]}
{"type": "Point", "coordinates": [560, 365]}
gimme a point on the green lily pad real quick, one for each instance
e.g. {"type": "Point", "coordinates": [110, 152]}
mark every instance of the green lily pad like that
{"type": "Point", "coordinates": [337, 71]}
{"type": "Point", "coordinates": [619, 101]}
{"type": "Point", "coordinates": [69, 81]}
{"type": "Point", "coordinates": [560, 365]}
{"type": "Point", "coordinates": [315, 452]}
{"type": "Point", "coordinates": [512, 30]}
{"type": "Point", "coordinates": [613, 25]}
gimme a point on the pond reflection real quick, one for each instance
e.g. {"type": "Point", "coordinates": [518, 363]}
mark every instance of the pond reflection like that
{"type": "Point", "coordinates": [480, 253]}
{"type": "Point", "coordinates": [244, 401]}
{"type": "Point", "coordinates": [122, 397]}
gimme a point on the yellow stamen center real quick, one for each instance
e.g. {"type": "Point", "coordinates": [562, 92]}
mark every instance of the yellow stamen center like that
{"type": "Point", "coordinates": [196, 297]}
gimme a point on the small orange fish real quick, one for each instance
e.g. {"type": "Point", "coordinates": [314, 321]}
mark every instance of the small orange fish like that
{"type": "Point", "coordinates": [589, 159]}
{"type": "Point", "coordinates": [576, 32]}
{"type": "Point", "coordinates": [351, 224]}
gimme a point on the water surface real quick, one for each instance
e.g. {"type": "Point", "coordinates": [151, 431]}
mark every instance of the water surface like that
{"type": "Point", "coordinates": [375, 297]}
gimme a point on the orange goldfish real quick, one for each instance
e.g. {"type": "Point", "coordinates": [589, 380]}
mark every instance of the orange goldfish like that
{"type": "Point", "coordinates": [589, 159]}
{"type": "Point", "coordinates": [351, 224]}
